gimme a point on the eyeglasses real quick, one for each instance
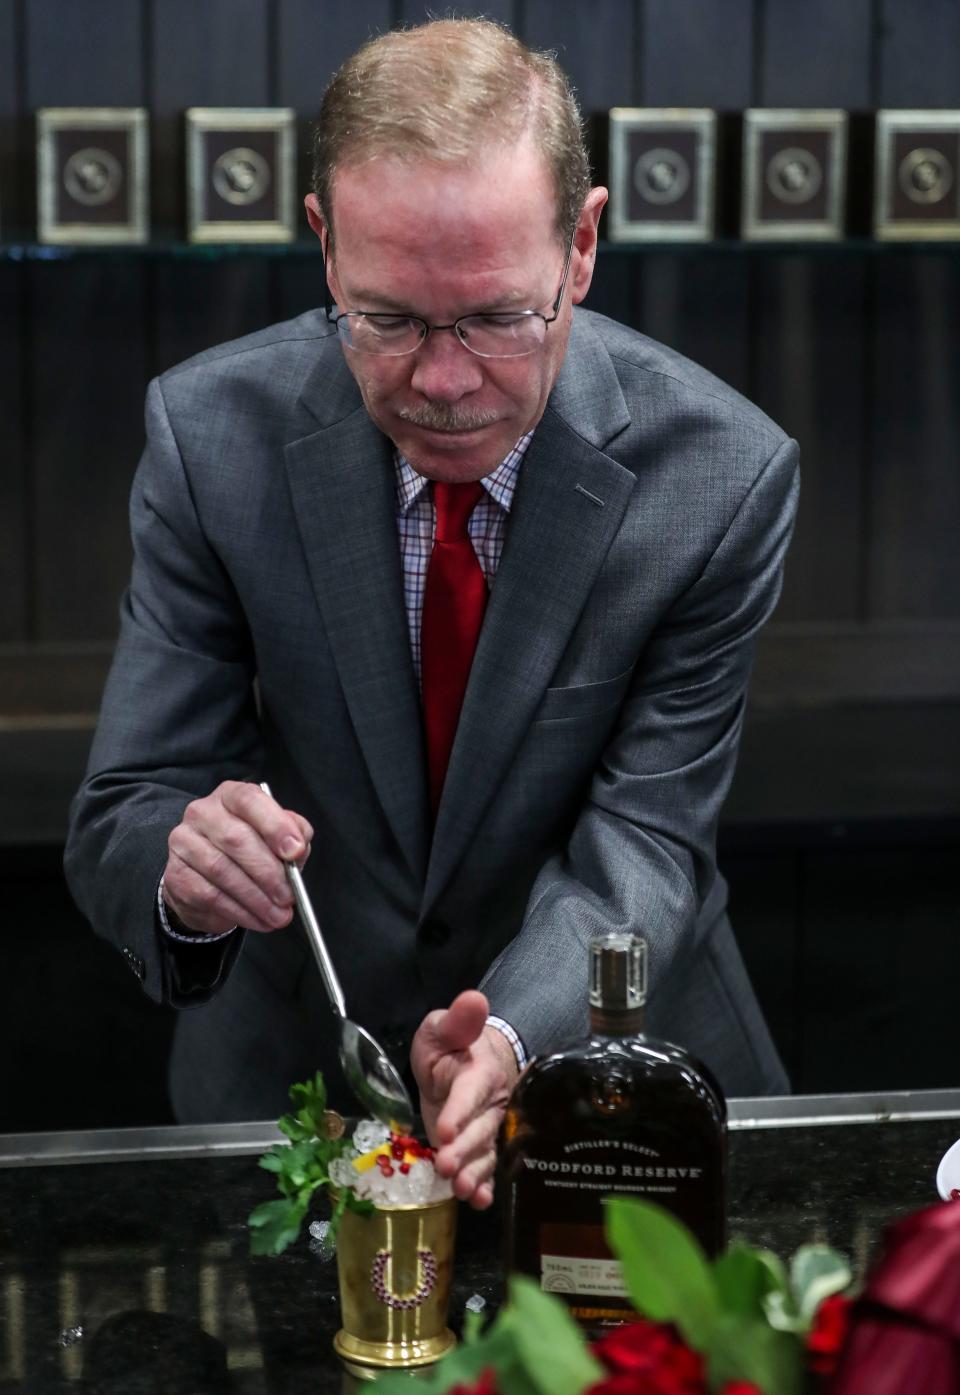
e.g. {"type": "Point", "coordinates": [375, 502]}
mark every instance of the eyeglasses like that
{"type": "Point", "coordinates": [499, 334]}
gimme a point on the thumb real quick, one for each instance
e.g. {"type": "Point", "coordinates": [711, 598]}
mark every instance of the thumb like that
{"type": "Point", "coordinates": [462, 1023]}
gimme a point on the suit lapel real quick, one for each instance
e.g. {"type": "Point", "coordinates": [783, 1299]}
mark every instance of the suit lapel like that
{"type": "Point", "coordinates": [569, 503]}
{"type": "Point", "coordinates": [342, 483]}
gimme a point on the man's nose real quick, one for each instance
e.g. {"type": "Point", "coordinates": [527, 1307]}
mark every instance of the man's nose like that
{"type": "Point", "coordinates": [444, 370]}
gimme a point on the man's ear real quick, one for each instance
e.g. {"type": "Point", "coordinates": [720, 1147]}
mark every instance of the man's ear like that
{"type": "Point", "coordinates": [316, 220]}
{"type": "Point", "coordinates": [585, 244]}
{"type": "Point", "coordinates": [319, 225]}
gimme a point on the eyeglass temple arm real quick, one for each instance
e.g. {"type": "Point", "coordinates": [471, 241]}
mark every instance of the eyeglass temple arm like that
{"type": "Point", "coordinates": [328, 302]}
{"type": "Point", "coordinates": [566, 272]}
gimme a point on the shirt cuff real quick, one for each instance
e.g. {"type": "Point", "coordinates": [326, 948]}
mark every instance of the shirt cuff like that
{"type": "Point", "coordinates": [175, 934]}
{"type": "Point", "coordinates": [513, 1037]}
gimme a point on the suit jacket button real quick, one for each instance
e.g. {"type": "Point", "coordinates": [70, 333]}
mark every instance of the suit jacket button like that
{"type": "Point", "coordinates": [434, 932]}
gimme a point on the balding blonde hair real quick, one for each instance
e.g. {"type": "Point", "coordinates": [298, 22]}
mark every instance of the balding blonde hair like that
{"type": "Point", "coordinates": [449, 91]}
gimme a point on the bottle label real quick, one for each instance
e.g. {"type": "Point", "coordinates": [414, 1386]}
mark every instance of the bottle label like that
{"type": "Point", "coordinates": [598, 1277]}
{"type": "Point", "coordinates": [561, 1189]}
{"type": "Point", "coordinates": [574, 1258]}
{"type": "Point", "coordinates": [622, 1166]}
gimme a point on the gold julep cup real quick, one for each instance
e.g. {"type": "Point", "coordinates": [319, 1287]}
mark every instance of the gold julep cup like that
{"type": "Point", "coordinates": [394, 1268]}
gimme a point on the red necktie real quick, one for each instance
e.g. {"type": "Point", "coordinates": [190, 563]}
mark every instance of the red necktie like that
{"type": "Point", "coordinates": [453, 606]}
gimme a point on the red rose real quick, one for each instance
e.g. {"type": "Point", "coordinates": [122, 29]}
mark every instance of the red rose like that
{"type": "Point", "coordinates": [648, 1358]}
{"type": "Point", "coordinates": [826, 1337]}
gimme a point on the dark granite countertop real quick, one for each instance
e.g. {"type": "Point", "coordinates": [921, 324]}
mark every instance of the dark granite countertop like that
{"type": "Point", "coordinates": [149, 1255]}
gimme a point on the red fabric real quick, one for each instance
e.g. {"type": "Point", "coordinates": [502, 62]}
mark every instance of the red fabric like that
{"type": "Point", "coordinates": [453, 605]}
{"type": "Point", "coordinates": [904, 1336]}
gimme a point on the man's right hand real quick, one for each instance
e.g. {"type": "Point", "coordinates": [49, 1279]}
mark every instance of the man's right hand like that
{"type": "Point", "coordinates": [225, 864]}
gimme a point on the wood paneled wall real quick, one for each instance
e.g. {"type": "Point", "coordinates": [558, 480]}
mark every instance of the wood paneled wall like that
{"type": "Point", "coordinates": [854, 350]}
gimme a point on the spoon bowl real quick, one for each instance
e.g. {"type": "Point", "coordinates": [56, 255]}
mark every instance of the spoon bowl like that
{"type": "Point", "coordinates": [373, 1077]}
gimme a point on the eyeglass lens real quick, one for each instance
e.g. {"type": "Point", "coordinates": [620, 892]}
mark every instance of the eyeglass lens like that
{"type": "Point", "coordinates": [510, 337]}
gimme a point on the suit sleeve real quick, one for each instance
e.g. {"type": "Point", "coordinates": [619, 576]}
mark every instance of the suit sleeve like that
{"type": "Point", "coordinates": [178, 717]}
{"type": "Point", "coordinates": [641, 857]}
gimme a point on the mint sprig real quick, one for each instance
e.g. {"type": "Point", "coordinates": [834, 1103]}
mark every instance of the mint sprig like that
{"type": "Point", "coordinates": [301, 1168]}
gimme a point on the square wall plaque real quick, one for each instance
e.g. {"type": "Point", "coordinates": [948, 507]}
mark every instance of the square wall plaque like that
{"type": "Point", "coordinates": [794, 174]}
{"type": "Point", "coordinates": [240, 174]}
{"type": "Point", "coordinates": [92, 174]}
{"type": "Point", "coordinates": [917, 175]}
{"type": "Point", "coordinates": [662, 174]}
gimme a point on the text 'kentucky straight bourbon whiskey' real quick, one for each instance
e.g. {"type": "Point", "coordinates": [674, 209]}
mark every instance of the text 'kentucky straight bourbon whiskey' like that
{"type": "Point", "coordinates": [620, 1114]}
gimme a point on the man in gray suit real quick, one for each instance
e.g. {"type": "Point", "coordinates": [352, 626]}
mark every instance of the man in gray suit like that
{"type": "Point", "coordinates": [632, 520]}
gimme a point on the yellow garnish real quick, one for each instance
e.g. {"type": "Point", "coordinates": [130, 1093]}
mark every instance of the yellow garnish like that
{"type": "Point", "coordinates": [367, 1160]}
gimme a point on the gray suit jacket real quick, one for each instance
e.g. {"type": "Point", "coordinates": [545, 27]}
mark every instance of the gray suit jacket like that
{"type": "Point", "coordinates": [264, 635]}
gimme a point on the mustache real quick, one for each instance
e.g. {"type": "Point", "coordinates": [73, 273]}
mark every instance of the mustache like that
{"type": "Point", "coordinates": [440, 417]}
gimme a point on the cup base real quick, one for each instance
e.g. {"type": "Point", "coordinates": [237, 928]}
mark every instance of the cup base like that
{"type": "Point", "coordinates": [366, 1358]}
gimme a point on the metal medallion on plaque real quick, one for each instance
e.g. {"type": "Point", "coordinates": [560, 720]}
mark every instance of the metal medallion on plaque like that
{"type": "Point", "coordinates": [794, 174]}
{"type": "Point", "coordinates": [240, 174]}
{"type": "Point", "coordinates": [917, 190]}
{"type": "Point", "coordinates": [662, 174]}
{"type": "Point", "coordinates": [92, 174]}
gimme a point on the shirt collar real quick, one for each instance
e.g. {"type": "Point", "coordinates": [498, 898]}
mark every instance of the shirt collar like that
{"type": "Point", "coordinates": [499, 484]}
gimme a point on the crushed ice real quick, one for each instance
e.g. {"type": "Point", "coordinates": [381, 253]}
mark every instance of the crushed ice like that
{"type": "Point", "coordinates": [342, 1172]}
{"type": "Point", "coordinates": [369, 1134]}
{"type": "Point", "coordinates": [71, 1335]}
{"type": "Point", "coordinates": [475, 1303]}
{"type": "Point", "coordinates": [322, 1243]}
{"type": "Point", "coordinates": [418, 1187]}
{"type": "Point", "coordinates": [412, 1182]}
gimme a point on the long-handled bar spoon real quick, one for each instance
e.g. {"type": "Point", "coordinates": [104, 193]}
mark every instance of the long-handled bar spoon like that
{"type": "Point", "coordinates": [370, 1073]}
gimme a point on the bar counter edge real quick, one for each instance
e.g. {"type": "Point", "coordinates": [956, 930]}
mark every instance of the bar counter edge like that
{"type": "Point", "coordinates": [225, 1140]}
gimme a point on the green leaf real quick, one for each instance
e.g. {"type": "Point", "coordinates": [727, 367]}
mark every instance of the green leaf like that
{"type": "Point", "coordinates": [780, 1310]}
{"type": "Point", "coordinates": [816, 1272]}
{"type": "Point", "coordinates": [274, 1225]}
{"type": "Point", "coordinates": [310, 1100]}
{"type": "Point", "coordinates": [299, 1159]}
{"type": "Point", "coordinates": [743, 1349]}
{"type": "Point", "coordinates": [746, 1278]}
{"type": "Point", "coordinates": [665, 1271]}
{"type": "Point", "coordinates": [549, 1343]}
{"type": "Point", "coordinates": [513, 1378]}
{"type": "Point", "coordinates": [463, 1365]}
{"type": "Point", "coordinates": [533, 1344]}
{"type": "Point", "coordinates": [293, 1129]}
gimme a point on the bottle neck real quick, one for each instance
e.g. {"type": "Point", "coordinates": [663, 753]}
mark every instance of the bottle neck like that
{"type": "Point", "coordinates": [627, 1022]}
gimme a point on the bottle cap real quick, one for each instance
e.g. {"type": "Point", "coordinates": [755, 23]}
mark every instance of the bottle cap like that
{"type": "Point", "coordinates": [618, 972]}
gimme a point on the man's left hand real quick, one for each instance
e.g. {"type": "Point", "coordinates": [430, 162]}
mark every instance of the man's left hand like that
{"type": "Point", "coordinates": [465, 1071]}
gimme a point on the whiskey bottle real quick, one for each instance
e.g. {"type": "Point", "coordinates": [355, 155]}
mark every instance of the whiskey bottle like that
{"type": "Point", "coordinates": [618, 1114]}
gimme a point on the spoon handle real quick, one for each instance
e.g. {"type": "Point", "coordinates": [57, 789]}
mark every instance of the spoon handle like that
{"type": "Point", "coordinates": [314, 934]}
